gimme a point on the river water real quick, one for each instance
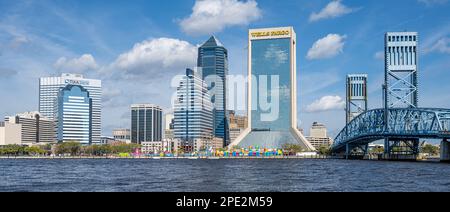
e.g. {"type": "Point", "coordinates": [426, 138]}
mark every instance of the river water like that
{"type": "Point", "coordinates": [221, 175]}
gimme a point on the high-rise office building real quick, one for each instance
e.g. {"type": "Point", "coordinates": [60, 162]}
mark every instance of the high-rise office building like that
{"type": "Point", "coordinates": [213, 59]}
{"type": "Point", "coordinates": [357, 100]}
{"type": "Point", "coordinates": [35, 127]}
{"type": "Point", "coordinates": [193, 110]}
{"type": "Point", "coordinates": [73, 115]}
{"type": "Point", "coordinates": [169, 120]}
{"type": "Point", "coordinates": [272, 53]}
{"type": "Point", "coordinates": [401, 78]}
{"type": "Point", "coordinates": [49, 88]}
{"type": "Point", "coordinates": [146, 123]}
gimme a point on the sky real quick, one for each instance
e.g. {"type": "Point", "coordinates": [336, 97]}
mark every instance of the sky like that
{"type": "Point", "coordinates": [137, 47]}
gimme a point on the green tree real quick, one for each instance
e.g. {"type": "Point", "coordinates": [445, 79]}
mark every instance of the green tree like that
{"type": "Point", "coordinates": [292, 149]}
{"type": "Point", "coordinates": [324, 150]}
{"type": "Point", "coordinates": [430, 149]}
{"type": "Point", "coordinates": [34, 150]}
{"type": "Point", "coordinates": [13, 150]}
{"type": "Point", "coordinates": [72, 148]}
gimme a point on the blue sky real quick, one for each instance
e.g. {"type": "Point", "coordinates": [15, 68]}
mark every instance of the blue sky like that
{"type": "Point", "coordinates": [136, 47]}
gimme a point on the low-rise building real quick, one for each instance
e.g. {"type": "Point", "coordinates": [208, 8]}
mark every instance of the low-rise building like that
{"type": "Point", "coordinates": [168, 134]}
{"type": "Point", "coordinates": [318, 136]}
{"type": "Point", "coordinates": [107, 140]}
{"type": "Point", "coordinates": [35, 128]}
{"type": "Point", "coordinates": [122, 135]}
{"type": "Point", "coordinates": [236, 121]}
{"type": "Point", "coordinates": [157, 147]}
{"type": "Point", "coordinates": [10, 134]}
{"type": "Point", "coordinates": [234, 133]}
{"type": "Point", "coordinates": [318, 142]}
{"type": "Point", "coordinates": [207, 144]}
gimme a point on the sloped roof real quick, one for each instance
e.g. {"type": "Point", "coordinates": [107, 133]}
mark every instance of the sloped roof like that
{"type": "Point", "coordinates": [212, 42]}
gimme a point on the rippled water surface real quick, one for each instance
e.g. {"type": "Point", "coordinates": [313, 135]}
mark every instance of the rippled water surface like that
{"type": "Point", "coordinates": [221, 175]}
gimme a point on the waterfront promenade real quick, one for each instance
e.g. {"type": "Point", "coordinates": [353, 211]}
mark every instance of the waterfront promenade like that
{"type": "Point", "coordinates": [168, 158]}
{"type": "Point", "coordinates": [317, 157]}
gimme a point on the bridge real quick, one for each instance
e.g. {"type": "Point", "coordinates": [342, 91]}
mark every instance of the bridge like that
{"type": "Point", "coordinates": [401, 129]}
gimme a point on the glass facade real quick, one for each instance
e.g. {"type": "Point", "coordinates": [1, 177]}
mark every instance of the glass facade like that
{"type": "Point", "coordinates": [49, 88]}
{"type": "Point", "coordinates": [213, 59]}
{"type": "Point", "coordinates": [146, 123]}
{"type": "Point", "coordinates": [271, 59]}
{"type": "Point", "coordinates": [193, 109]}
{"type": "Point", "coordinates": [272, 91]}
{"type": "Point", "coordinates": [73, 115]}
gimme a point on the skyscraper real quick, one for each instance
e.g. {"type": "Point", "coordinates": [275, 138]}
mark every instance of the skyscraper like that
{"type": "Point", "coordinates": [401, 78]}
{"type": "Point", "coordinates": [146, 123]}
{"type": "Point", "coordinates": [193, 109]}
{"type": "Point", "coordinates": [213, 59]}
{"type": "Point", "coordinates": [49, 88]}
{"type": "Point", "coordinates": [272, 54]}
{"type": "Point", "coordinates": [73, 115]}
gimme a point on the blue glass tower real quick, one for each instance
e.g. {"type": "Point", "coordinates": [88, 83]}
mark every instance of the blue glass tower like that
{"type": "Point", "coordinates": [193, 118]}
{"type": "Point", "coordinates": [213, 59]}
{"type": "Point", "coordinates": [73, 115]}
{"type": "Point", "coordinates": [272, 78]}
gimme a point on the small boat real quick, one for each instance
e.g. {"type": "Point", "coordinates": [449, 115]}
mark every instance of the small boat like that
{"type": "Point", "coordinates": [156, 158]}
{"type": "Point", "coordinates": [213, 158]}
{"type": "Point", "coordinates": [192, 158]}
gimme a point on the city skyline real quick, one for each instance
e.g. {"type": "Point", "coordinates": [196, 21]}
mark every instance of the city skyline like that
{"type": "Point", "coordinates": [102, 52]}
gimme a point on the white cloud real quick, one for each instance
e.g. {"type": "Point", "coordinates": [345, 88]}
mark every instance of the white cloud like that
{"type": "Point", "coordinates": [276, 54]}
{"type": "Point", "coordinates": [327, 47]}
{"type": "Point", "coordinates": [156, 57]}
{"type": "Point", "coordinates": [210, 16]}
{"type": "Point", "coordinates": [432, 2]}
{"type": "Point", "coordinates": [326, 103]}
{"type": "Point", "coordinates": [442, 46]}
{"type": "Point", "coordinates": [333, 10]}
{"type": "Point", "coordinates": [77, 65]}
{"type": "Point", "coordinates": [379, 55]}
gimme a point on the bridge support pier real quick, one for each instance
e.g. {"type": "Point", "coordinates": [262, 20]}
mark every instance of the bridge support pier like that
{"type": "Point", "coordinates": [356, 151]}
{"type": "Point", "coordinates": [445, 151]}
{"type": "Point", "coordinates": [401, 149]}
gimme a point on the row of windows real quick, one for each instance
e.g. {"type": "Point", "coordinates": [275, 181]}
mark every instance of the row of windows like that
{"type": "Point", "coordinates": [402, 38]}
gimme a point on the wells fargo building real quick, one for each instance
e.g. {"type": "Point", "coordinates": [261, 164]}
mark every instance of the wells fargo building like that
{"type": "Point", "coordinates": [272, 56]}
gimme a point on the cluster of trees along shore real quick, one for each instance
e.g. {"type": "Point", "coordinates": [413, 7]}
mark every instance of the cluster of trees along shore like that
{"type": "Point", "coordinates": [68, 148]}
{"type": "Point", "coordinates": [76, 149]}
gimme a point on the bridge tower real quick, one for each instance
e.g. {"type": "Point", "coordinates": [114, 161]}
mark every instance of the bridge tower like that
{"type": "Point", "coordinates": [401, 86]}
{"type": "Point", "coordinates": [356, 96]}
{"type": "Point", "coordinates": [401, 64]}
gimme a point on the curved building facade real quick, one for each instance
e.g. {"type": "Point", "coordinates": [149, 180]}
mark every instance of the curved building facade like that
{"type": "Point", "coordinates": [193, 109]}
{"type": "Point", "coordinates": [73, 115]}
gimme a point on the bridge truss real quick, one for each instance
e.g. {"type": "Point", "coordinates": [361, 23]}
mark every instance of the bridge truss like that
{"type": "Point", "coordinates": [401, 129]}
